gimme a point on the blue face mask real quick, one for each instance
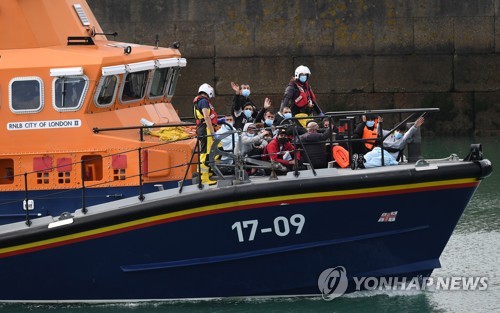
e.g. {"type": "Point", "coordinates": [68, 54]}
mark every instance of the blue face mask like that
{"type": "Point", "coordinates": [245, 93]}
{"type": "Point", "coordinates": [303, 78]}
{"type": "Point", "coordinates": [248, 113]}
{"type": "Point", "coordinates": [228, 127]}
{"type": "Point", "coordinates": [287, 115]}
{"type": "Point", "coordinates": [269, 122]}
{"type": "Point", "coordinates": [398, 135]}
{"type": "Point", "coordinates": [370, 123]}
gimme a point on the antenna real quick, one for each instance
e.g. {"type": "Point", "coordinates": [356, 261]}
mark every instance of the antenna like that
{"type": "Point", "coordinates": [157, 41]}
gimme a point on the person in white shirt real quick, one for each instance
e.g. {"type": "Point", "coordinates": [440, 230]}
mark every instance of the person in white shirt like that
{"type": "Point", "coordinates": [227, 142]}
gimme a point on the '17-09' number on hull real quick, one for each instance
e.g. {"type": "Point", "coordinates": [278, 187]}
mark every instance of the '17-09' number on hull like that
{"type": "Point", "coordinates": [281, 227]}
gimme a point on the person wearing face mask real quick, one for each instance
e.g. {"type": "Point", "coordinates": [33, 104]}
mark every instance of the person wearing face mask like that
{"type": "Point", "coordinates": [299, 95]}
{"type": "Point", "coordinates": [281, 150]}
{"type": "Point", "coordinates": [266, 114]}
{"type": "Point", "coordinates": [243, 109]}
{"type": "Point", "coordinates": [368, 129]}
{"type": "Point", "coordinates": [246, 116]}
{"type": "Point", "coordinates": [251, 142]}
{"type": "Point", "coordinates": [285, 113]}
{"type": "Point", "coordinates": [227, 142]}
{"type": "Point", "coordinates": [394, 145]}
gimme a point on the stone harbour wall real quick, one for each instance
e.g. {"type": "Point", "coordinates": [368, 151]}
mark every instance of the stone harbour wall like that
{"type": "Point", "coordinates": [362, 54]}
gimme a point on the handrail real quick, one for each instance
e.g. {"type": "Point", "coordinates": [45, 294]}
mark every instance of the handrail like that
{"type": "Point", "coordinates": [141, 128]}
{"type": "Point", "coordinates": [85, 186]}
{"type": "Point", "coordinates": [195, 151]}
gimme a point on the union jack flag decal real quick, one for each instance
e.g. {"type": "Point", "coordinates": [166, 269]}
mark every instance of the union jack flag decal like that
{"type": "Point", "coordinates": [388, 217]}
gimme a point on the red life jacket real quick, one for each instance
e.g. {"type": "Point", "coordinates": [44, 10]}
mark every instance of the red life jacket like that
{"type": "Point", "coordinates": [305, 94]}
{"type": "Point", "coordinates": [198, 114]}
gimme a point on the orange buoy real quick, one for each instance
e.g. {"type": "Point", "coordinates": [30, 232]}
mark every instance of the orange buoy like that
{"type": "Point", "coordinates": [341, 156]}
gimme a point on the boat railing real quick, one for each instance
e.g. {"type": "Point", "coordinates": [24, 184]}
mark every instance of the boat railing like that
{"type": "Point", "coordinates": [298, 146]}
{"type": "Point", "coordinates": [345, 121]}
{"type": "Point", "coordinates": [143, 129]}
{"type": "Point", "coordinates": [85, 184]}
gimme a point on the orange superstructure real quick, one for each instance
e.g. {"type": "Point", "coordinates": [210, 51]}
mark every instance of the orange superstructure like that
{"type": "Point", "coordinates": [60, 79]}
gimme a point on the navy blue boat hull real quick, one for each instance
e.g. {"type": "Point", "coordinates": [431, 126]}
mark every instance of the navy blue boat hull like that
{"type": "Point", "coordinates": [55, 202]}
{"type": "Point", "coordinates": [196, 251]}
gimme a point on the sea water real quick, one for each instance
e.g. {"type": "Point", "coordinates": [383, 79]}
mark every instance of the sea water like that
{"type": "Point", "coordinates": [473, 251]}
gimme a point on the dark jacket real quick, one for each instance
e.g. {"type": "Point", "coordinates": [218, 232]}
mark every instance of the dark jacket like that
{"type": "Point", "coordinates": [314, 144]}
{"type": "Point", "coordinates": [292, 93]}
{"type": "Point", "coordinates": [237, 111]}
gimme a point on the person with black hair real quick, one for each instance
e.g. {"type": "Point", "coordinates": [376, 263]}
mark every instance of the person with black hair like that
{"type": "Point", "coordinates": [281, 150]}
{"type": "Point", "coordinates": [394, 145]}
{"type": "Point", "coordinates": [367, 129]}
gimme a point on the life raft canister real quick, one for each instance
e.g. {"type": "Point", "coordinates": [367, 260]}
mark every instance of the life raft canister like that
{"type": "Point", "coordinates": [341, 156]}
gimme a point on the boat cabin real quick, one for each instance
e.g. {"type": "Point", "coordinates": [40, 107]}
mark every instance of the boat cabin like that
{"type": "Point", "coordinates": [72, 101]}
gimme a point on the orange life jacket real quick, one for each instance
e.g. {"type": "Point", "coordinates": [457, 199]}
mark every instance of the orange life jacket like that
{"type": "Point", "coordinates": [305, 95]}
{"type": "Point", "coordinates": [198, 114]}
{"type": "Point", "coordinates": [368, 134]}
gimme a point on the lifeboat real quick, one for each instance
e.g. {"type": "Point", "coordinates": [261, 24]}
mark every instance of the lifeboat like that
{"type": "Point", "coordinates": [98, 204]}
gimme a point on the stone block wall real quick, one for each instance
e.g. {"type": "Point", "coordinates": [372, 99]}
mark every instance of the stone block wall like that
{"type": "Point", "coordinates": [363, 54]}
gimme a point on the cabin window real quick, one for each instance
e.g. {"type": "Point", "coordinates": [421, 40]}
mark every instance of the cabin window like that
{"type": "Point", "coordinates": [159, 81]}
{"type": "Point", "coordinates": [119, 164]}
{"type": "Point", "coordinates": [42, 178]}
{"type": "Point", "coordinates": [69, 92]}
{"type": "Point", "coordinates": [6, 171]}
{"type": "Point", "coordinates": [42, 166]}
{"type": "Point", "coordinates": [64, 168]}
{"type": "Point", "coordinates": [26, 95]}
{"type": "Point", "coordinates": [134, 86]}
{"type": "Point", "coordinates": [92, 167]}
{"type": "Point", "coordinates": [172, 82]}
{"type": "Point", "coordinates": [106, 91]}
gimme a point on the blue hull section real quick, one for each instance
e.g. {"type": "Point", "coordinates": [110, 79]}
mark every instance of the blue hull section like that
{"type": "Point", "coordinates": [55, 202]}
{"type": "Point", "coordinates": [256, 251]}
